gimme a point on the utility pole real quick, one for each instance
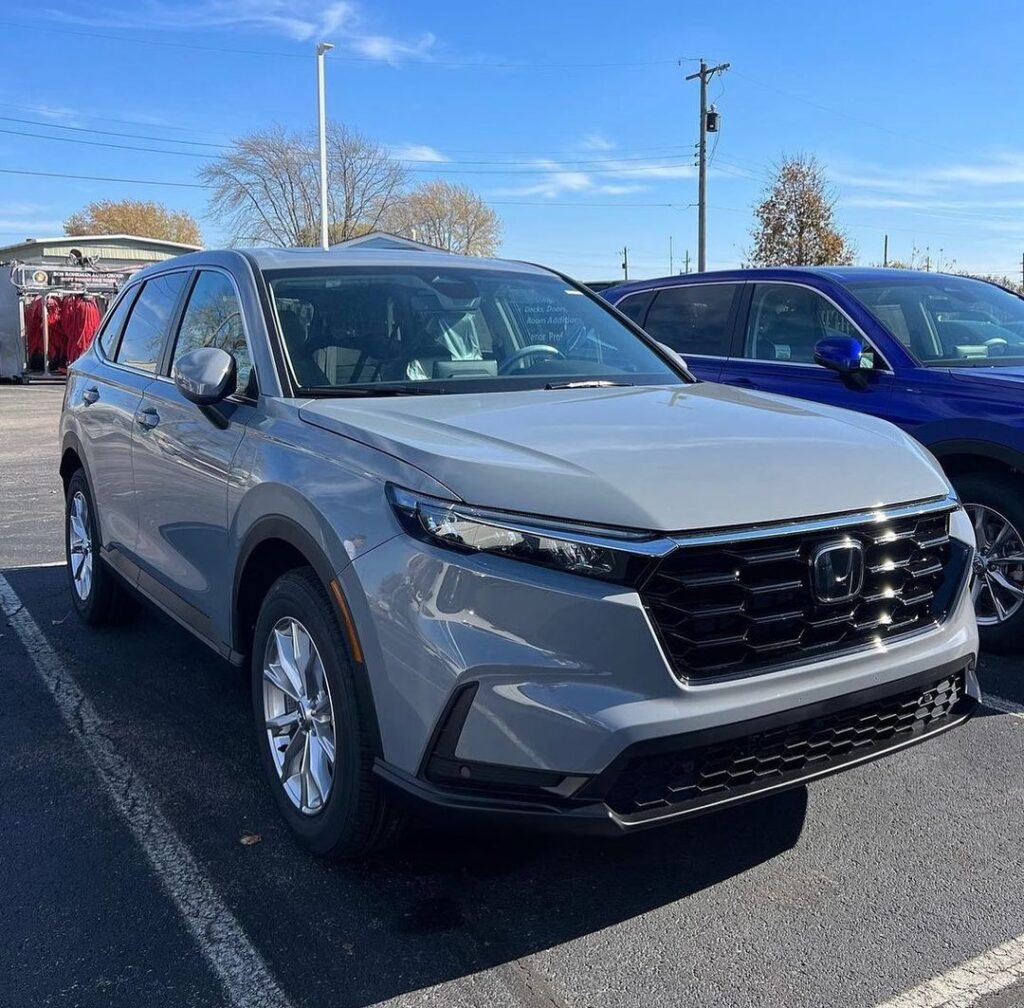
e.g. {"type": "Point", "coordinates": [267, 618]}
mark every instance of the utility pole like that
{"type": "Point", "coordinates": [703, 75]}
{"type": "Point", "coordinates": [671, 263]}
{"type": "Point", "coordinates": [625, 263]}
{"type": "Point", "coordinates": [321, 110]}
{"type": "Point", "coordinates": [885, 251]}
{"type": "Point", "coordinates": [687, 261]}
{"type": "Point", "coordinates": [1022, 270]}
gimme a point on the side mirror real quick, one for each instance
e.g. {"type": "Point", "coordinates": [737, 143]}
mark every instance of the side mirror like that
{"type": "Point", "coordinates": [206, 375]}
{"type": "Point", "coordinates": [844, 354]}
{"type": "Point", "coordinates": [675, 355]}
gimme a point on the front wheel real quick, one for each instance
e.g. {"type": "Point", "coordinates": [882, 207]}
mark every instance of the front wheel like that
{"type": "Point", "coordinates": [996, 509]}
{"type": "Point", "coordinates": [314, 737]}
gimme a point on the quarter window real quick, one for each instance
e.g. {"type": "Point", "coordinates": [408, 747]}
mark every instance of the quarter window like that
{"type": "Point", "coordinates": [114, 323]}
{"type": "Point", "coordinates": [786, 321]}
{"type": "Point", "coordinates": [213, 318]}
{"type": "Point", "coordinates": [146, 330]}
{"type": "Point", "coordinates": [693, 319]}
{"type": "Point", "coordinates": [635, 306]}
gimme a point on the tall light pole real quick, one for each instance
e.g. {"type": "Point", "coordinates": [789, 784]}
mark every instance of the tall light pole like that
{"type": "Point", "coordinates": [321, 108]}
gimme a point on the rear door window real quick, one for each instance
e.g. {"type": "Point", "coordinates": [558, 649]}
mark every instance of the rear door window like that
{"type": "Point", "coordinates": [695, 319]}
{"type": "Point", "coordinates": [143, 340]}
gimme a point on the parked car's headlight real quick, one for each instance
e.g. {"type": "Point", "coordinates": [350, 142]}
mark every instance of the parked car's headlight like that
{"type": "Point", "coordinates": [611, 555]}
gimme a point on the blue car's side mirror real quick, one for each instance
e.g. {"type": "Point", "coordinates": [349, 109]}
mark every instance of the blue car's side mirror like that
{"type": "Point", "coordinates": [839, 353]}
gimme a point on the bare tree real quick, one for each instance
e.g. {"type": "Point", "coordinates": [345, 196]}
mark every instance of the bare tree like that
{"type": "Point", "coordinates": [266, 189]}
{"type": "Point", "coordinates": [795, 219]}
{"type": "Point", "coordinates": [447, 215]}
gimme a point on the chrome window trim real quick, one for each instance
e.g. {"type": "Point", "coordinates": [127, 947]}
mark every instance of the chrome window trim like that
{"type": "Point", "coordinates": [886, 366]}
{"type": "Point", "coordinates": [933, 505]}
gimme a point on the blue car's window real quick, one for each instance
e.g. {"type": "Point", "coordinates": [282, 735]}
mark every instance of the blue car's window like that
{"type": "Point", "coordinates": [482, 329]}
{"type": "Point", "coordinates": [787, 320]}
{"type": "Point", "coordinates": [693, 319]}
{"type": "Point", "coordinates": [947, 321]}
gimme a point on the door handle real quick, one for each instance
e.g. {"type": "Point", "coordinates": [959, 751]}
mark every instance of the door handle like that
{"type": "Point", "coordinates": [90, 395]}
{"type": "Point", "coordinates": [148, 418]}
{"type": "Point", "coordinates": [744, 383]}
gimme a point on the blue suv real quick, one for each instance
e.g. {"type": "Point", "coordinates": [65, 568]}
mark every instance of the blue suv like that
{"type": "Point", "coordinates": [941, 356]}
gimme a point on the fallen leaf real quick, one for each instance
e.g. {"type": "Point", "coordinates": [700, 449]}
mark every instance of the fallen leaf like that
{"type": "Point", "coordinates": [248, 839]}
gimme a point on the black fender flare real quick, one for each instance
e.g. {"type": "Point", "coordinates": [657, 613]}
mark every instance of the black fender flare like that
{"type": "Point", "coordinates": [289, 531]}
{"type": "Point", "coordinates": [983, 449]}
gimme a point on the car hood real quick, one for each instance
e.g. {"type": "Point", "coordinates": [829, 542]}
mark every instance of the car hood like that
{"type": "Point", "coordinates": [1010, 377]}
{"type": "Point", "coordinates": [660, 458]}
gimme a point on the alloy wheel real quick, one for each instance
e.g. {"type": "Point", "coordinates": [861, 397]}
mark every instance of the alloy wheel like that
{"type": "Point", "coordinates": [998, 588]}
{"type": "Point", "coordinates": [80, 545]}
{"type": "Point", "coordinates": [299, 716]}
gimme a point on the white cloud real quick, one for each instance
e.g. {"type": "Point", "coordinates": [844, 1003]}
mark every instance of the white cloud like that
{"type": "Point", "coordinates": [598, 142]}
{"type": "Point", "coordinates": [418, 152]}
{"type": "Point", "coordinates": [341, 21]}
{"type": "Point", "coordinates": [614, 178]}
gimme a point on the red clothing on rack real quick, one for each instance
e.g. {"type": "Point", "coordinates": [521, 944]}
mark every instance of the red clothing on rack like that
{"type": "Point", "coordinates": [34, 331]}
{"type": "Point", "coordinates": [79, 320]}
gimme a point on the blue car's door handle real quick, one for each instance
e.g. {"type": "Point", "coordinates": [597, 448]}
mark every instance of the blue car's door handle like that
{"type": "Point", "coordinates": [742, 382]}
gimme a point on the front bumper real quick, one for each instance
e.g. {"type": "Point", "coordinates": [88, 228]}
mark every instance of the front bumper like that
{"type": "Point", "coordinates": [684, 775]}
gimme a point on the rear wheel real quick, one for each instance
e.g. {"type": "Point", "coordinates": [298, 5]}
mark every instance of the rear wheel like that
{"type": "Point", "coordinates": [98, 597]}
{"type": "Point", "coordinates": [995, 506]}
{"type": "Point", "coordinates": [314, 737]}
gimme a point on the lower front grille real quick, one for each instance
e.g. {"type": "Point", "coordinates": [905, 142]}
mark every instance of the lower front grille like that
{"type": "Point", "coordinates": [707, 775]}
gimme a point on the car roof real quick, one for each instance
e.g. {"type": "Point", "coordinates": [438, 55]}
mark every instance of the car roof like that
{"type": "Point", "coordinates": [315, 258]}
{"type": "Point", "coordinates": [837, 274]}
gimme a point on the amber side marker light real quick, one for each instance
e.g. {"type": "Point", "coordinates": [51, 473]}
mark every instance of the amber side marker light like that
{"type": "Point", "coordinates": [347, 621]}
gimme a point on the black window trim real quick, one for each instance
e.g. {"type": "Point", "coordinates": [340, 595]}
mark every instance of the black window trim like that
{"type": "Point", "coordinates": [161, 356]}
{"type": "Point", "coordinates": [167, 360]}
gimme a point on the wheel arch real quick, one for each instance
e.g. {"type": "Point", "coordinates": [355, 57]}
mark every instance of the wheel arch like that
{"type": "Point", "coordinates": [274, 545]}
{"type": "Point", "coordinates": [959, 456]}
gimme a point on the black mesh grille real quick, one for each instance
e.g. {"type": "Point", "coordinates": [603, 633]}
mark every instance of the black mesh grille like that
{"type": "Point", "coordinates": [747, 606]}
{"type": "Point", "coordinates": [716, 772]}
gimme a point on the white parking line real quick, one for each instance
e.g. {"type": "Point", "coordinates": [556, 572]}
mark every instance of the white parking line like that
{"type": "Point", "coordinates": [999, 704]}
{"type": "Point", "coordinates": [968, 983]}
{"type": "Point", "coordinates": [241, 970]}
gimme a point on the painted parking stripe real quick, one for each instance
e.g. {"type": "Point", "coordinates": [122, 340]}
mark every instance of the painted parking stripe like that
{"type": "Point", "coordinates": [241, 970]}
{"type": "Point", "coordinates": [968, 983]}
{"type": "Point", "coordinates": [1005, 706]}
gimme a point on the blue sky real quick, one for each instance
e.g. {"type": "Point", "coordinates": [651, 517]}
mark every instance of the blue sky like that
{"type": "Point", "coordinates": [572, 118]}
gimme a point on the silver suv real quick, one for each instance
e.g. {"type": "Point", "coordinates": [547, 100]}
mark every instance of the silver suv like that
{"type": "Point", "coordinates": [487, 547]}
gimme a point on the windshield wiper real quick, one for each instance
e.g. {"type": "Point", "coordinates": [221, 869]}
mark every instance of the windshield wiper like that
{"type": "Point", "coordinates": [353, 391]}
{"type": "Point", "coordinates": [588, 383]}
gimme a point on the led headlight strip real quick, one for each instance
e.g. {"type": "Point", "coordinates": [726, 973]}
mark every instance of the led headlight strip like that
{"type": "Point", "coordinates": [623, 557]}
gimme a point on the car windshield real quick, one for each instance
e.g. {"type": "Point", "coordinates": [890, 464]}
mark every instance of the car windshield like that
{"type": "Point", "coordinates": [947, 321]}
{"type": "Point", "coordinates": [401, 330]}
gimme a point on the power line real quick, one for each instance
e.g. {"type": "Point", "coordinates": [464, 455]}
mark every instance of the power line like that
{"type": "Point", "coordinates": [103, 143]}
{"type": "Point", "coordinates": [99, 132]}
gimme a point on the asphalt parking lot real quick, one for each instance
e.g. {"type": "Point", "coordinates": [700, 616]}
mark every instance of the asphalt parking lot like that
{"type": "Point", "coordinates": [129, 776]}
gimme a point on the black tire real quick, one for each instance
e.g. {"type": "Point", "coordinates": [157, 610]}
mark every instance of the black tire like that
{"type": "Point", "coordinates": [1004, 494]}
{"type": "Point", "coordinates": [107, 601]}
{"type": "Point", "coordinates": [357, 817]}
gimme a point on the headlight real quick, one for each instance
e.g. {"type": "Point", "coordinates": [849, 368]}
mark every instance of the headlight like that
{"type": "Point", "coordinates": [610, 555]}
